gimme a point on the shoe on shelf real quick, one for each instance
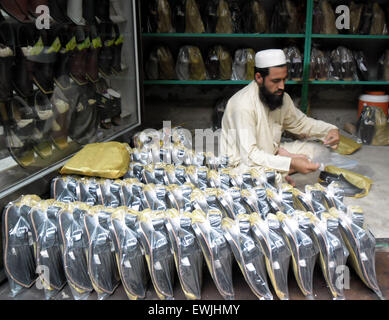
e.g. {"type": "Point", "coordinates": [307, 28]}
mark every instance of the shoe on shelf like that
{"type": "Point", "coordinates": [59, 133]}
{"type": "Point", "coordinates": [17, 9]}
{"type": "Point", "coordinates": [92, 67]}
{"type": "Point", "coordinates": [78, 60]}
{"type": "Point", "coordinates": [7, 59]}
{"type": "Point", "coordinates": [58, 10]}
{"type": "Point", "coordinates": [75, 12]}
{"type": "Point", "coordinates": [26, 46]}
{"type": "Point", "coordinates": [117, 50]}
{"type": "Point", "coordinates": [350, 190]}
{"type": "Point", "coordinates": [20, 130]}
{"type": "Point", "coordinates": [106, 55]}
{"type": "Point", "coordinates": [62, 64]}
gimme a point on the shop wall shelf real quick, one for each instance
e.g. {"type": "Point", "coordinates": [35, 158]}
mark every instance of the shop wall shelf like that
{"type": "Point", "coordinates": [204, 82]}
{"type": "Point", "coordinates": [221, 35]}
{"type": "Point", "coordinates": [307, 36]}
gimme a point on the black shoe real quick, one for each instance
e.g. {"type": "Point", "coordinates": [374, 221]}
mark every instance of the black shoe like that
{"type": "Point", "coordinates": [350, 190]}
{"type": "Point", "coordinates": [117, 50]}
{"type": "Point", "coordinates": [366, 125]}
{"type": "Point", "coordinates": [22, 75]}
{"type": "Point", "coordinates": [92, 68]}
{"type": "Point", "coordinates": [58, 10]}
{"type": "Point", "coordinates": [7, 59]}
{"type": "Point", "coordinates": [106, 56]}
{"type": "Point", "coordinates": [78, 61]}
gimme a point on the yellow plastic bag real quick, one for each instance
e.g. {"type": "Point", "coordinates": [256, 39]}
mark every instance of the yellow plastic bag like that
{"type": "Point", "coordinates": [224, 21]}
{"type": "Point", "coordinates": [164, 17]}
{"type": "Point", "coordinates": [381, 136]}
{"type": "Point", "coordinates": [225, 61]}
{"type": "Point", "coordinates": [250, 64]}
{"type": "Point", "coordinates": [347, 146]}
{"type": "Point", "coordinates": [166, 64]}
{"type": "Point", "coordinates": [356, 179]}
{"type": "Point", "coordinates": [106, 160]}
{"type": "Point", "coordinates": [197, 66]}
{"type": "Point", "coordinates": [193, 21]}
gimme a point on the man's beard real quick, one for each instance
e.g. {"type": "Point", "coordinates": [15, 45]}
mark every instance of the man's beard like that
{"type": "Point", "coordinates": [273, 101]}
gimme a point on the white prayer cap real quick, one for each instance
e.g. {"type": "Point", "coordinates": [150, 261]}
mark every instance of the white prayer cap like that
{"type": "Point", "coordinates": [270, 58]}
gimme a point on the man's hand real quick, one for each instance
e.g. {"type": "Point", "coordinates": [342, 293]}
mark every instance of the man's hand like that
{"type": "Point", "coordinates": [284, 153]}
{"type": "Point", "coordinates": [333, 138]}
{"type": "Point", "coordinates": [302, 165]}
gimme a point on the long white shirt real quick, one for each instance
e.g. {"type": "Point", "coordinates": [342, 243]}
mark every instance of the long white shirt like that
{"type": "Point", "coordinates": [251, 132]}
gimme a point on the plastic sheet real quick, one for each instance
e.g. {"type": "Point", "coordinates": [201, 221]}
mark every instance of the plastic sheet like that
{"type": "Point", "coordinates": [303, 250]}
{"type": "Point", "coordinates": [197, 176]}
{"type": "Point", "coordinates": [381, 135]}
{"type": "Point", "coordinates": [215, 248]}
{"type": "Point", "coordinates": [129, 257]}
{"type": "Point", "coordinates": [248, 255]}
{"type": "Point", "coordinates": [154, 239]}
{"type": "Point", "coordinates": [268, 234]}
{"type": "Point", "coordinates": [361, 245]}
{"type": "Point", "coordinates": [356, 10]}
{"type": "Point", "coordinates": [18, 248]}
{"type": "Point", "coordinates": [378, 25]}
{"type": "Point", "coordinates": [155, 174]}
{"type": "Point", "coordinates": [88, 191]}
{"type": "Point", "coordinates": [63, 188]}
{"type": "Point", "coordinates": [255, 18]}
{"type": "Point", "coordinates": [102, 266]}
{"type": "Point", "coordinates": [154, 197]}
{"type": "Point", "coordinates": [179, 197]}
{"type": "Point", "coordinates": [46, 235]}
{"type": "Point", "coordinates": [324, 18]}
{"type": "Point", "coordinates": [131, 194]}
{"type": "Point", "coordinates": [383, 67]}
{"type": "Point", "coordinates": [190, 64]}
{"type": "Point", "coordinates": [224, 19]}
{"type": "Point", "coordinates": [243, 65]}
{"type": "Point", "coordinates": [294, 61]}
{"type": "Point", "coordinates": [176, 174]}
{"type": "Point", "coordinates": [333, 255]}
{"type": "Point", "coordinates": [193, 20]}
{"type": "Point", "coordinates": [342, 60]}
{"type": "Point", "coordinates": [347, 146]}
{"type": "Point", "coordinates": [320, 65]}
{"type": "Point", "coordinates": [187, 254]}
{"type": "Point", "coordinates": [231, 202]}
{"type": "Point", "coordinates": [256, 200]}
{"type": "Point", "coordinates": [74, 252]}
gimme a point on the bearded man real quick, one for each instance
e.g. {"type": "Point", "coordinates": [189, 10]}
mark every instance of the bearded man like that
{"type": "Point", "coordinates": [256, 116]}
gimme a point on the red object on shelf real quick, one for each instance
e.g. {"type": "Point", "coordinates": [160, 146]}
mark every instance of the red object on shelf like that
{"type": "Point", "coordinates": [374, 98]}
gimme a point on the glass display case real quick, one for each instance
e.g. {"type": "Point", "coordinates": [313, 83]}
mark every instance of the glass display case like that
{"type": "Point", "coordinates": [69, 76]}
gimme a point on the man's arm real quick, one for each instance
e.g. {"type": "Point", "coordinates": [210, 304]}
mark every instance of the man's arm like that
{"type": "Point", "coordinates": [296, 122]}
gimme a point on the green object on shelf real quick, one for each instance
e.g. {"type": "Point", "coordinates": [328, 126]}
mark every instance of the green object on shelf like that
{"type": "Point", "coordinates": [307, 36]}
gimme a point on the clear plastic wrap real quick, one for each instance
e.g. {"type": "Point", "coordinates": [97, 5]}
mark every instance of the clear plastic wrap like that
{"type": "Point", "coordinates": [87, 191]}
{"type": "Point", "coordinates": [294, 62]}
{"type": "Point", "coordinates": [187, 253]}
{"type": "Point", "coordinates": [320, 65]}
{"type": "Point", "coordinates": [324, 18]}
{"type": "Point", "coordinates": [342, 60]}
{"type": "Point", "coordinates": [193, 20]}
{"type": "Point", "coordinates": [378, 25]}
{"type": "Point", "coordinates": [303, 249]}
{"type": "Point", "coordinates": [282, 200]}
{"type": "Point", "coordinates": [142, 156]}
{"type": "Point", "coordinates": [215, 248]}
{"type": "Point", "coordinates": [248, 255]}
{"type": "Point", "coordinates": [176, 174]}
{"type": "Point", "coordinates": [381, 135]}
{"type": "Point", "coordinates": [218, 64]}
{"type": "Point", "coordinates": [166, 65]}
{"type": "Point", "coordinates": [164, 22]}
{"type": "Point", "coordinates": [155, 242]}
{"type": "Point", "coordinates": [366, 124]}
{"type": "Point", "coordinates": [268, 234]}
{"type": "Point", "coordinates": [131, 194]}
{"type": "Point", "coordinates": [356, 10]}
{"type": "Point", "coordinates": [255, 18]}
{"type": "Point", "coordinates": [102, 266]}
{"type": "Point", "coordinates": [18, 247]}
{"type": "Point", "coordinates": [154, 197]}
{"type": "Point", "coordinates": [362, 68]}
{"type": "Point", "coordinates": [179, 197]}
{"type": "Point", "coordinates": [224, 19]}
{"type": "Point", "coordinates": [155, 174]}
{"type": "Point", "coordinates": [190, 64]}
{"type": "Point", "coordinates": [46, 235]}
{"type": "Point", "coordinates": [129, 257]}
{"type": "Point", "coordinates": [326, 235]}
{"type": "Point", "coordinates": [317, 198]}
{"type": "Point", "coordinates": [361, 244]}
{"type": "Point", "coordinates": [64, 188]}
{"type": "Point", "coordinates": [197, 176]}
{"type": "Point", "coordinates": [243, 65]}
{"type": "Point", "coordinates": [256, 200]}
{"type": "Point", "coordinates": [74, 252]}
{"type": "Point", "coordinates": [383, 67]}
{"type": "Point", "coordinates": [231, 202]}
